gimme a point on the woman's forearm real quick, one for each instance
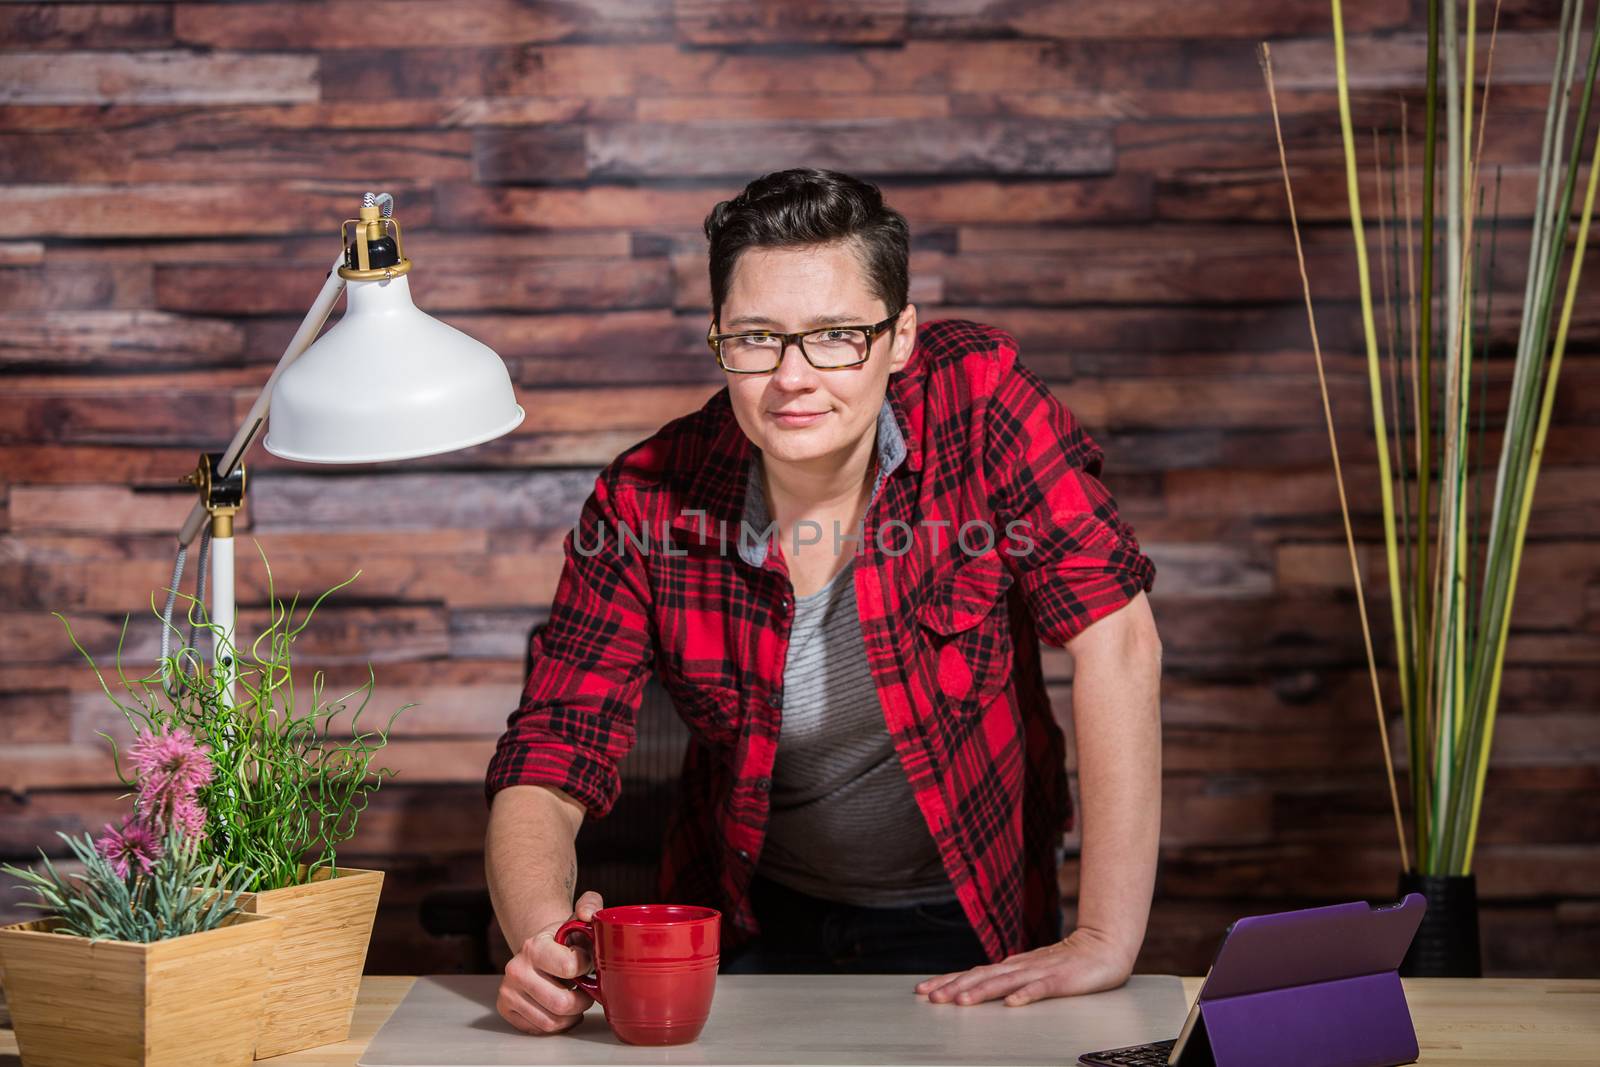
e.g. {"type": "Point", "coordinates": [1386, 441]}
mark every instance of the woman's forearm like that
{"type": "Point", "coordinates": [530, 859]}
{"type": "Point", "coordinates": [1116, 709]}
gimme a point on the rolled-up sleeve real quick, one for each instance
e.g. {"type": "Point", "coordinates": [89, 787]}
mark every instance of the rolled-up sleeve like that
{"type": "Point", "coordinates": [590, 662]}
{"type": "Point", "coordinates": [1043, 471]}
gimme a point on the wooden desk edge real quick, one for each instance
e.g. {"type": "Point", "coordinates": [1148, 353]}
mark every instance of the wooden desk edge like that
{"type": "Point", "coordinates": [1451, 1016]}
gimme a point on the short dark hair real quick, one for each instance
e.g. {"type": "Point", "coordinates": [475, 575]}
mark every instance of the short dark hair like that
{"type": "Point", "coordinates": [805, 206]}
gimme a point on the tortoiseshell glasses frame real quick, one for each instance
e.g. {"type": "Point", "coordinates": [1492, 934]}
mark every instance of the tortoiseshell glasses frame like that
{"type": "Point", "coordinates": [872, 330]}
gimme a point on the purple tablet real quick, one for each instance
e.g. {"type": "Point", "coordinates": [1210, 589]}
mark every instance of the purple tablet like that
{"type": "Point", "coordinates": [1319, 987]}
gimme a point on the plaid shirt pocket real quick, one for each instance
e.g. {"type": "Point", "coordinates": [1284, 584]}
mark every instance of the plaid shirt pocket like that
{"type": "Point", "coordinates": [966, 632]}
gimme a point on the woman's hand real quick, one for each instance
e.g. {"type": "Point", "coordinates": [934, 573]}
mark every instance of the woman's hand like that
{"type": "Point", "coordinates": [1086, 962]}
{"type": "Point", "coordinates": [536, 994]}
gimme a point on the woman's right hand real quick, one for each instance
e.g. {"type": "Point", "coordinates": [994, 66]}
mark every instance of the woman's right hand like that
{"type": "Point", "coordinates": [536, 992]}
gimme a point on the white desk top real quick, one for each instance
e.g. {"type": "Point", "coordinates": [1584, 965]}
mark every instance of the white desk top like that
{"type": "Point", "coordinates": [817, 1020]}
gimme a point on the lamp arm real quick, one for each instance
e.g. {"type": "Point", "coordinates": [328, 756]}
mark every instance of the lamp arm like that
{"type": "Point", "coordinates": [310, 326]}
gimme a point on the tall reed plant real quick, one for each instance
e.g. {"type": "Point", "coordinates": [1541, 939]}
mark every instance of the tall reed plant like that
{"type": "Point", "coordinates": [295, 769]}
{"type": "Point", "coordinates": [1451, 585]}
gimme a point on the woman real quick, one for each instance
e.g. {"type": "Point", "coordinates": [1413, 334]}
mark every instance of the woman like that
{"type": "Point", "coordinates": [840, 568]}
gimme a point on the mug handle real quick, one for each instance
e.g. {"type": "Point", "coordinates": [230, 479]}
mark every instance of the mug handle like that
{"type": "Point", "coordinates": [589, 983]}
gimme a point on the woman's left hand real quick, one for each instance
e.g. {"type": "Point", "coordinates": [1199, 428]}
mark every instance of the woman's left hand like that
{"type": "Point", "coordinates": [1086, 962]}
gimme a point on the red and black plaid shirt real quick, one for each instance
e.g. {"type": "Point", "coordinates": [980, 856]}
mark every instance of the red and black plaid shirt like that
{"type": "Point", "coordinates": [951, 626]}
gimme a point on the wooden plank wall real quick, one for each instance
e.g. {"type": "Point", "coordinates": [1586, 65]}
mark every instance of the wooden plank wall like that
{"type": "Point", "coordinates": [1099, 178]}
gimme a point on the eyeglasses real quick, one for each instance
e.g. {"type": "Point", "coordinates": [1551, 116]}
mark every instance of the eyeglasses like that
{"type": "Point", "coordinates": [830, 348]}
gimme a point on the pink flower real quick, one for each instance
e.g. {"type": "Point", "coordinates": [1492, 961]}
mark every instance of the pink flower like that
{"type": "Point", "coordinates": [171, 768]}
{"type": "Point", "coordinates": [133, 844]}
{"type": "Point", "coordinates": [189, 817]}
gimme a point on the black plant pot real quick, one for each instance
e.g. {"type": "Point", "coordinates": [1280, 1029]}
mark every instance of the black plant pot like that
{"type": "Point", "coordinates": [1446, 945]}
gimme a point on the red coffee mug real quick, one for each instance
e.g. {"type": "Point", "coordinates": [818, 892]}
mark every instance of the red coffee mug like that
{"type": "Point", "coordinates": [655, 969]}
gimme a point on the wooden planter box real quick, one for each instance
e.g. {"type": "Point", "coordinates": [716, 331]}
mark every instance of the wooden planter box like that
{"type": "Point", "coordinates": [316, 970]}
{"type": "Point", "coordinates": [187, 1000]}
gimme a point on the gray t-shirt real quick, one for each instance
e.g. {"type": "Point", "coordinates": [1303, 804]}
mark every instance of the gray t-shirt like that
{"type": "Point", "coordinates": [844, 825]}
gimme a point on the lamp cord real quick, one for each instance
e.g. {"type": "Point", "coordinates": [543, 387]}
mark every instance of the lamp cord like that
{"type": "Point", "coordinates": [172, 599]}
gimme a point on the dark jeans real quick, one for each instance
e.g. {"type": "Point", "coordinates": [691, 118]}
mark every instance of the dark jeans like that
{"type": "Point", "coordinates": [801, 934]}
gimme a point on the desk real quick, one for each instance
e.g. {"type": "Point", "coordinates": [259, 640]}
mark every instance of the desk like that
{"type": "Point", "coordinates": [1485, 1022]}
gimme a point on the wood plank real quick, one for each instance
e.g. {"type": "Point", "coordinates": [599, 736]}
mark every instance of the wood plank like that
{"type": "Point", "coordinates": [1241, 448]}
{"type": "Point", "coordinates": [1229, 328]}
{"type": "Point", "coordinates": [1196, 812]}
{"type": "Point", "coordinates": [1320, 195]}
{"type": "Point", "coordinates": [1551, 585]}
{"type": "Point", "coordinates": [1128, 105]}
{"type": "Point", "coordinates": [969, 201]}
{"type": "Point", "coordinates": [409, 679]}
{"type": "Point", "coordinates": [1260, 634]}
{"type": "Point", "coordinates": [161, 209]}
{"type": "Point", "coordinates": [53, 27]}
{"type": "Point", "coordinates": [157, 77]}
{"type": "Point", "coordinates": [643, 409]}
{"type": "Point", "coordinates": [1530, 939]}
{"type": "Point", "coordinates": [97, 508]}
{"type": "Point", "coordinates": [1511, 136]}
{"type": "Point", "coordinates": [1205, 570]}
{"type": "Point", "coordinates": [155, 152]}
{"type": "Point", "coordinates": [1310, 871]}
{"type": "Point", "coordinates": [36, 464]}
{"type": "Point", "coordinates": [90, 548]}
{"type": "Point", "coordinates": [1178, 274]}
{"type": "Point", "coordinates": [1398, 60]}
{"type": "Point", "coordinates": [640, 333]}
{"type": "Point", "coordinates": [537, 500]}
{"type": "Point", "coordinates": [707, 149]}
{"type": "Point", "coordinates": [1526, 811]}
{"type": "Point", "coordinates": [34, 767]}
{"type": "Point", "coordinates": [920, 66]}
{"type": "Point", "coordinates": [1281, 493]}
{"type": "Point", "coordinates": [494, 635]}
{"type": "Point", "coordinates": [456, 581]}
{"type": "Point", "coordinates": [774, 106]}
{"type": "Point", "coordinates": [19, 253]}
{"type": "Point", "coordinates": [51, 287]}
{"type": "Point", "coordinates": [566, 283]}
{"type": "Point", "coordinates": [435, 711]}
{"type": "Point", "coordinates": [452, 113]}
{"type": "Point", "coordinates": [116, 339]}
{"type": "Point", "coordinates": [341, 634]}
{"type": "Point", "coordinates": [1192, 267]}
{"type": "Point", "coordinates": [833, 22]}
{"type": "Point", "coordinates": [1078, 19]}
{"type": "Point", "coordinates": [1323, 696]}
{"type": "Point", "coordinates": [1369, 107]}
{"type": "Point", "coordinates": [692, 284]}
{"type": "Point", "coordinates": [342, 25]}
{"type": "Point", "coordinates": [124, 416]}
{"type": "Point", "coordinates": [425, 247]}
{"type": "Point", "coordinates": [1558, 648]}
{"type": "Point", "coordinates": [1276, 366]}
{"type": "Point", "coordinates": [32, 717]}
{"type": "Point", "coordinates": [157, 467]}
{"type": "Point", "coordinates": [1150, 237]}
{"type": "Point", "coordinates": [1195, 401]}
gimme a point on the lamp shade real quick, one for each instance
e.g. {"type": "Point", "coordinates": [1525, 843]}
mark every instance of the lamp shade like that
{"type": "Point", "coordinates": [388, 382]}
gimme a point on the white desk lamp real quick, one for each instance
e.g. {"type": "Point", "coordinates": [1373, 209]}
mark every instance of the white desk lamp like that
{"type": "Point", "coordinates": [387, 382]}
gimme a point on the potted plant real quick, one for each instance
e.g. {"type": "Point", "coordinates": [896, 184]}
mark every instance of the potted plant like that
{"type": "Point", "coordinates": [294, 773]}
{"type": "Point", "coordinates": [177, 972]}
{"type": "Point", "coordinates": [1450, 587]}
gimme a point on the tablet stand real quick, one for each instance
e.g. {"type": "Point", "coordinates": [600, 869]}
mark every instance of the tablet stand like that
{"type": "Point", "coordinates": [1314, 988]}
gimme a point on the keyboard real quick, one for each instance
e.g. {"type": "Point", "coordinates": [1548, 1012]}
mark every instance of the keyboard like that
{"type": "Point", "coordinates": [1152, 1055]}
